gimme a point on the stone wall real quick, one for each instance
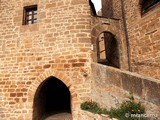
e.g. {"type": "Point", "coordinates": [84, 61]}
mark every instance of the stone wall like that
{"type": "Point", "coordinates": [111, 86]}
{"type": "Point", "coordinates": [62, 44]}
{"type": "Point", "coordinates": [144, 38]}
{"type": "Point", "coordinates": [57, 45]}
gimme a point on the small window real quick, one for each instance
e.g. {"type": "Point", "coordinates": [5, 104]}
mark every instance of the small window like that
{"type": "Point", "coordinates": [146, 5]}
{"type": "Point", "coordinates": [30, 15]}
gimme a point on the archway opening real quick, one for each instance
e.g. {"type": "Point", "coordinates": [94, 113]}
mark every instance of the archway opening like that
{"type": "Point", "coordinates": [107, 50]}
{"type": "Point", "coordinates": [51, 97]}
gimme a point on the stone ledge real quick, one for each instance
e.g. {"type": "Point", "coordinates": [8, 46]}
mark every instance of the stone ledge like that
{"type": "Point", "coordinates": [111, 86]}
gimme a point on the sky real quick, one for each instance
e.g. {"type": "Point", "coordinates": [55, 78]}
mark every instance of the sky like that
{"type": "Point", "coordinates": [97, 4]}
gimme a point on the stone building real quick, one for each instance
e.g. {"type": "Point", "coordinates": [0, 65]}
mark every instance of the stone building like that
{"type": "Point", "coordinates": [56, 54]}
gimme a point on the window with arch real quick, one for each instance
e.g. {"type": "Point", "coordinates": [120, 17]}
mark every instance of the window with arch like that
{"type": "Point", "coordinates": [146, 5]}
{"type": "Point", "coordinates": [107, 50]}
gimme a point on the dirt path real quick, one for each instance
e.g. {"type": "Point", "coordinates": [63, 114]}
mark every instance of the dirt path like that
{"type": "Point", "coordinates": [59, 116]}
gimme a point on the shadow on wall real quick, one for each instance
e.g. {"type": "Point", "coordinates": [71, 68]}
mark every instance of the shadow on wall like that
{"type": "Point", "coordinates": [51, 97]}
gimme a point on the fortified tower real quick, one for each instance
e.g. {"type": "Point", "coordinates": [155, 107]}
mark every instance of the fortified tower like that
{"type": "Point", "coordinates": [43, 43]}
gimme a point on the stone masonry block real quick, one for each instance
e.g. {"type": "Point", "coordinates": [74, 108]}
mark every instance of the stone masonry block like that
{"type": "Point", "coordinates": [132, 84]}
{"type": "Point", "coordinates": [152, 91]}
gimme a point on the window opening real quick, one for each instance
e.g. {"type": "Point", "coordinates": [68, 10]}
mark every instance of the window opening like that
{"type": "Point", "coordinates": [30, 15]}
{"type": "Point", "coordinates": [107, 50]}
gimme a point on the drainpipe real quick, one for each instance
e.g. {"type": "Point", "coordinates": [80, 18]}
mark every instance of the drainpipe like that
{"type": "Point", "coordinates": [126, 34]}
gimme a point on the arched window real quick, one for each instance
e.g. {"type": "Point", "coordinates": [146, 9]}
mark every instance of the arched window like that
{"type": "Point", "coordinates": [107, 50]}
{"type": "Point", "coordinates": [146, 5]}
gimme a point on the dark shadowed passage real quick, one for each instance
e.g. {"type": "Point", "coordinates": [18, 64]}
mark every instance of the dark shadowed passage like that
{"type": "Point", "coordinates": [52, 97]}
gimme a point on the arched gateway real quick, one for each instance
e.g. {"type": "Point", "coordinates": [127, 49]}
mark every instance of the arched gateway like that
{"type": "Point", "coordinates": [52, 97]}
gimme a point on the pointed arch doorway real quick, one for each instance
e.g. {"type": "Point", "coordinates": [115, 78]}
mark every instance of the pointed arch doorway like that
{"type": "Point", "coordinates": [52, 97]}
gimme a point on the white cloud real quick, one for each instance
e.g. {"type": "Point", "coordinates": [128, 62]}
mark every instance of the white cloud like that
{"type": "Point", "coordinates": [97, 4]}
